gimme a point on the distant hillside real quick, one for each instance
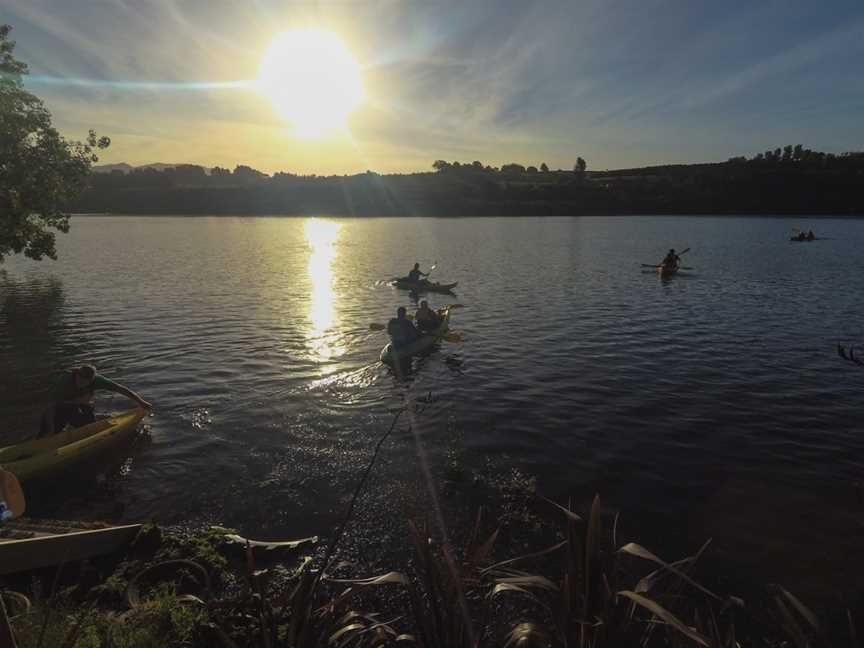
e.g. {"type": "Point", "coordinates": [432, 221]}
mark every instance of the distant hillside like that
{"type": "Point", "coordinates": [791, 180]}
{"type": "Point", "coordinates": [126, 168]}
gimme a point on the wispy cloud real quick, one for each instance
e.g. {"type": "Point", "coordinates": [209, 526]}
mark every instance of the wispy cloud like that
{"type": "Point", "coordinates": [498, 80]}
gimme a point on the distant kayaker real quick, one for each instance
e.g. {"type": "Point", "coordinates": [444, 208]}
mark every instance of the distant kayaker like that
{"type": "Point", "coordinates": [426, 318]}
{"type": "Point", "coordinates": [672, 260]}
{"type": "Point", "coordinates": [810, 235]}
{"type": "Point", "coordinates": [415, 274]}
{"type": "Point", "coordinates": [73, 391]}
{"type": "Point", "coordinates": [401, 330]}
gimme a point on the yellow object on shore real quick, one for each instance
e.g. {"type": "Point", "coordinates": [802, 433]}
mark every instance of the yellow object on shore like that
{"type": "Point", "coordinates": [56, 453]}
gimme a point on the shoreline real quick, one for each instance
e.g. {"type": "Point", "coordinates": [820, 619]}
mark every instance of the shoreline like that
{"type": "Point", "coordinates": [211, 587]}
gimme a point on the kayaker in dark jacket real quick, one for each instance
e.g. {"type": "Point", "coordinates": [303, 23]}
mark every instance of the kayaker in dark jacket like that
{"type": "Point", "coordinates": [73, 391]}
{"type": "Point", "coordinates": [415, 274]}
{"type": "Point", "coordinates": [426, 318]}
{"type": "Point", "coordinates": [671, 261]}
{"type": "Point", "coordinates": [401, 330]}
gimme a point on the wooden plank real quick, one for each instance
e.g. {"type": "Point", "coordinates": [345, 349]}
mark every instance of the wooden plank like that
{"type": "Point", "coordinates": [49, 550]}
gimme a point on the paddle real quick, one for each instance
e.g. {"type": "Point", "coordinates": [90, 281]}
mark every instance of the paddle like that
{"type": "Point", "coordinates": [657, 265]}
{"type": "Point", "coordinates": [405, 278]}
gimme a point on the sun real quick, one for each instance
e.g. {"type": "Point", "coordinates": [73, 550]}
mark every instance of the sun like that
{"type": "Point", "coordinates": [312, 79]}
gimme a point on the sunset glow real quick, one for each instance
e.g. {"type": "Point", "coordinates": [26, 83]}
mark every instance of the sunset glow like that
{"type": "Point", "coordinates": [312, 80]}
{"type": "Point", "coordinates": [321, 236]}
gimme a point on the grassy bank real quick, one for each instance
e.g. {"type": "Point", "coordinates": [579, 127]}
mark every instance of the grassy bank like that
{"type": "Point", "coordinates": [587, 588]}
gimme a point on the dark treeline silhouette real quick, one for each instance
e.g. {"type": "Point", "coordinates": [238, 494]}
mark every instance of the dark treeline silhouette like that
{"type": "Point", "coordinates": [791, 180]}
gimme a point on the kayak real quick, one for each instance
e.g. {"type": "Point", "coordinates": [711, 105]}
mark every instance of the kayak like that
{"type": "Point", "coordinates": [390, 355]}
{"type": "Point", "coordinates": [804, 240]}
{"type": "Point", "coordinates": [70, 448]}
{"type": "Point", "coordinates": [424, 286]}
{"type": "Point", "coordinates": [667, 271]}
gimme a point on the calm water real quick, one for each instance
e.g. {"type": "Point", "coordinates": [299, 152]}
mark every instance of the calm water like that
{"type": "Point", "coordinates": [709, 405]}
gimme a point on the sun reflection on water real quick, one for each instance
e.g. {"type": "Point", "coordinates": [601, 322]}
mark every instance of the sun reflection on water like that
{"type": "Point", "coordinates": [322, 236]}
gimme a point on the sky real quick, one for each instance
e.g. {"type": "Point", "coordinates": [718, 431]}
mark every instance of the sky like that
{"type": "Point", "coordinates": [620, 83]}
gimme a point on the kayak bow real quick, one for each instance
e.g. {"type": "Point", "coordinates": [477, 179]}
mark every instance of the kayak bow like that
{"type": "Point", "coordinates": [45, 456]}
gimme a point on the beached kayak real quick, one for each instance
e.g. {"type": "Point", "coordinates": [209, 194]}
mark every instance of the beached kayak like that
{"type": "Point", "coordinates": [68, 449]}
{"type": "Point", "coordinates": [391, 355]}
{"type": "Point", "coordinates": [424, 286]}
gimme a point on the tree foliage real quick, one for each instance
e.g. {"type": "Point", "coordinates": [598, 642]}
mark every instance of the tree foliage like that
{"type": "Point", "coordinates": [40, 171]}
{"type": "Point", "coordinates": [580, 166]}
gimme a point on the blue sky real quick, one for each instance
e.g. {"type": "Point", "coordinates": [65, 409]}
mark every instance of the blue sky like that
{"type": "Point", "coordinates": [619, 83]}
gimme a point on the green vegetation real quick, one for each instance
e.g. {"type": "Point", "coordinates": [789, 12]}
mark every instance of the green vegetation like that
{"type": "Point", "coordinates": [587, 588]}
{"type": "Point", "coordinates": [40, 171]}
{"type": "Point", "coordinates": [801, 182]}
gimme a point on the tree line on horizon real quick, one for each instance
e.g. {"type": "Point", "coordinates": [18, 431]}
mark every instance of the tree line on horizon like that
{"type": "Point", "coordinates": [443, 166]}
{"type": "Point", "coordinates": [797, 182]}
{"type": "Point", "coordinates": [242, 175]}
{"type": "Point", "coordinates": [797, 153]}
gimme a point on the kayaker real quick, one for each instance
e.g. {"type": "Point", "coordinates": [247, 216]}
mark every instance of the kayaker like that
{"type": "Point", "coordinates": [401, 330]}
{"type": "Point", "coordinates": [810, 235]}
{"type": "Point", "coordinates": [671, 261]}
{"type": "Point", "coordinates": [73, 391]}
{"type": "Point", "coordinates": [415, 274]}
{"type": "Point", "coordinates": [426, 318]}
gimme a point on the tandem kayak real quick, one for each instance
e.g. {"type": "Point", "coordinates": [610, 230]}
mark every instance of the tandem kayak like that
{"type": "Point", "coordinates": [391, 355]}
{"type": "Point", "coordinates": [70, 448]}
{"type": "Point", "coordinates": [424, 286]}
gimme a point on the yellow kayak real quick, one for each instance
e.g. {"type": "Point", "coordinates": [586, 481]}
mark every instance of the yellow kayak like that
{"type": "Point", "coordinates": [52, 454]}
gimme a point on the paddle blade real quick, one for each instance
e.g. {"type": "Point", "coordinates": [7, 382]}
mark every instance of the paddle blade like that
{"type": "Point", "coordinates": [455, 306]}
{"type": "Point", "coordinates": [454, 337]}
{"type": "Point", "coordinates": [377, 326]}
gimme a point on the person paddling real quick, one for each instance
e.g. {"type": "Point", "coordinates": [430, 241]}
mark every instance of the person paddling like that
{"type": "Point", "coordinates": [401, 330]}
{"type": "Point", "coordinates": [426, 318]}
{"type": "Point", "coordinates": [415, 274]}
{"type": "Point", "coordinates": [671, 261]}
{"type": "Point", "coordinates": [73, 391]}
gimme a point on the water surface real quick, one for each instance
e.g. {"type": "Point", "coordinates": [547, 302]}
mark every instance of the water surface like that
{"type": "Point", "coordinates": [709, 405]}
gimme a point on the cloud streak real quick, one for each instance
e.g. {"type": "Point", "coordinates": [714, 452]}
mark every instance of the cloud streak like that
{"type": "Point", "coordinates": [621, 83]}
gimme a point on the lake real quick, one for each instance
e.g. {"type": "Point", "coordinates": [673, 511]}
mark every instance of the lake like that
{"type": "Point", "coordinates": [710, 405]}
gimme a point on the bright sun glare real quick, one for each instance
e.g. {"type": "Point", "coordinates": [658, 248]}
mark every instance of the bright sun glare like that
{"type": "Point", "coordinates": [312, 80]}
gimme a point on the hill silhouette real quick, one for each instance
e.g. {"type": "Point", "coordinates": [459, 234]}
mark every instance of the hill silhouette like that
{"type": "Point", "coordinates": [791, 180]}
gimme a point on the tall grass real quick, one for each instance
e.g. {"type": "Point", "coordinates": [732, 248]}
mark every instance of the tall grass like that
{"type": "Point", "coordinates": [588, 590]}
